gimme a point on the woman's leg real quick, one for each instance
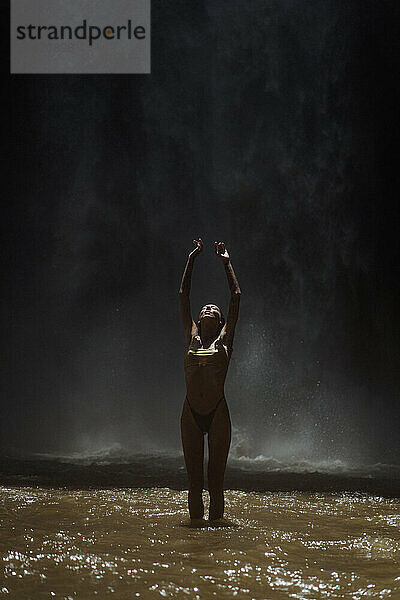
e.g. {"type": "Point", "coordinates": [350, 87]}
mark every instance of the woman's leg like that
{"type": "Point", "coordinates": [219, 440]}
{"type": "Point", "coordinates": [193, 450]}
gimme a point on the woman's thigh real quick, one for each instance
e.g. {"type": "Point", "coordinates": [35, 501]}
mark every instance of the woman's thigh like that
{"type": "Point", "coordinates": [193, 447]}
{"type": "Point", "coordinates": [219, 441]}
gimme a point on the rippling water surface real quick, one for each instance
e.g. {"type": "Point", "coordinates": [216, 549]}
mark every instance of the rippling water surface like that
{"type": "Point", "coordinates": [133, 543]}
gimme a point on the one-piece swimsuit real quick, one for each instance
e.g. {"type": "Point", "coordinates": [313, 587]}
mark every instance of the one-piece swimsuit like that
{"type": "Point", "coordinates": [213, 357]}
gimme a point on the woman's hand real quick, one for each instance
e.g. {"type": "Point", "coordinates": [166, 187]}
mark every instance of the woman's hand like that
{"type": "Point", "coordinates": [198, 248]}
{"type": "Point", "coordinates": [221, 251]}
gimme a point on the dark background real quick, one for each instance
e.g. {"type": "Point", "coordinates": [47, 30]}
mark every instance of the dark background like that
{"type": "Point", "coordinates": [269, 125]}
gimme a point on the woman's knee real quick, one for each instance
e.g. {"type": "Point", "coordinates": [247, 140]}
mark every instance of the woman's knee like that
{"type": "Point", "coordinates": [215, 480]}
{"type": "Point", "coordinates": [215, 490]}
{"type": "Point", "coordinates": [196, 483]}
{"type": "Point", "coordinates": [196, 490]}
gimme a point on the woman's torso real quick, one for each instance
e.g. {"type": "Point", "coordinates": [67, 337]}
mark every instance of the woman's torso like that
{"type": "Point", "coordinates": [205, 373]}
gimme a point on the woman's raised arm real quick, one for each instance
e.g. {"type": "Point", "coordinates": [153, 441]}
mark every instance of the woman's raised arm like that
{"type": "Point", "coordinates": [184, 291]}
{"type": "Point", "coordinates": [228, 330]}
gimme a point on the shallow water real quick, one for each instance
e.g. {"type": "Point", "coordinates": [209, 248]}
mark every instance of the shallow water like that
{"type": "Point", "coordinates": [63, 544]}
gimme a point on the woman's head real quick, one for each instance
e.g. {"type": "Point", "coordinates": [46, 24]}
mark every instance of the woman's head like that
{"type": "Point", "coordinates": [212, 318]}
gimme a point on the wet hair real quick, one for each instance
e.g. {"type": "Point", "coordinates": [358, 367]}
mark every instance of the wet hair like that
{"type": "Point", "coordinates": [221, 324]}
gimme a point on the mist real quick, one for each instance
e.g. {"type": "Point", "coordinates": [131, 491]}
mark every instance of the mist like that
{"type": "Point", "coordinates": [266, 125]}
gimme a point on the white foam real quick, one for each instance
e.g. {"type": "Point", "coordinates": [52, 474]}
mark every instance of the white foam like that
{"type": "Point", "coordinates": [302, 465]}
{"type": "Point", "coordinates": [116, 454]}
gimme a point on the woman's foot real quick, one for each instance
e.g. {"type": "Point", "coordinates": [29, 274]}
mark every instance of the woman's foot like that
{"type": "Point", "coordinates": [222, 522]}
{"type": "Point", "coordinates": [195, 523]}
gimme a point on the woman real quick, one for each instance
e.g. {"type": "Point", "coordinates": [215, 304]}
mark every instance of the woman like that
{"type": "Point", "coordinates": [207, 354]}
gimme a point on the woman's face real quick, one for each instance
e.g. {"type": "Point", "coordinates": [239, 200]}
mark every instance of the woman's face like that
{"type": "Point", "coordinates": [210, 311]}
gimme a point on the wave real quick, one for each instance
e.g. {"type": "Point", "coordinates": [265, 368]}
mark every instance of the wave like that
{"type": "Point", "coordinates": [333, 466]}
{"type": "Point", "coordinates": [116, 454]}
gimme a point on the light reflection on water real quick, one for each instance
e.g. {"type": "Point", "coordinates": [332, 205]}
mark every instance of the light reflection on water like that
{"type": "Point", "coordinates": [57, 543]}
